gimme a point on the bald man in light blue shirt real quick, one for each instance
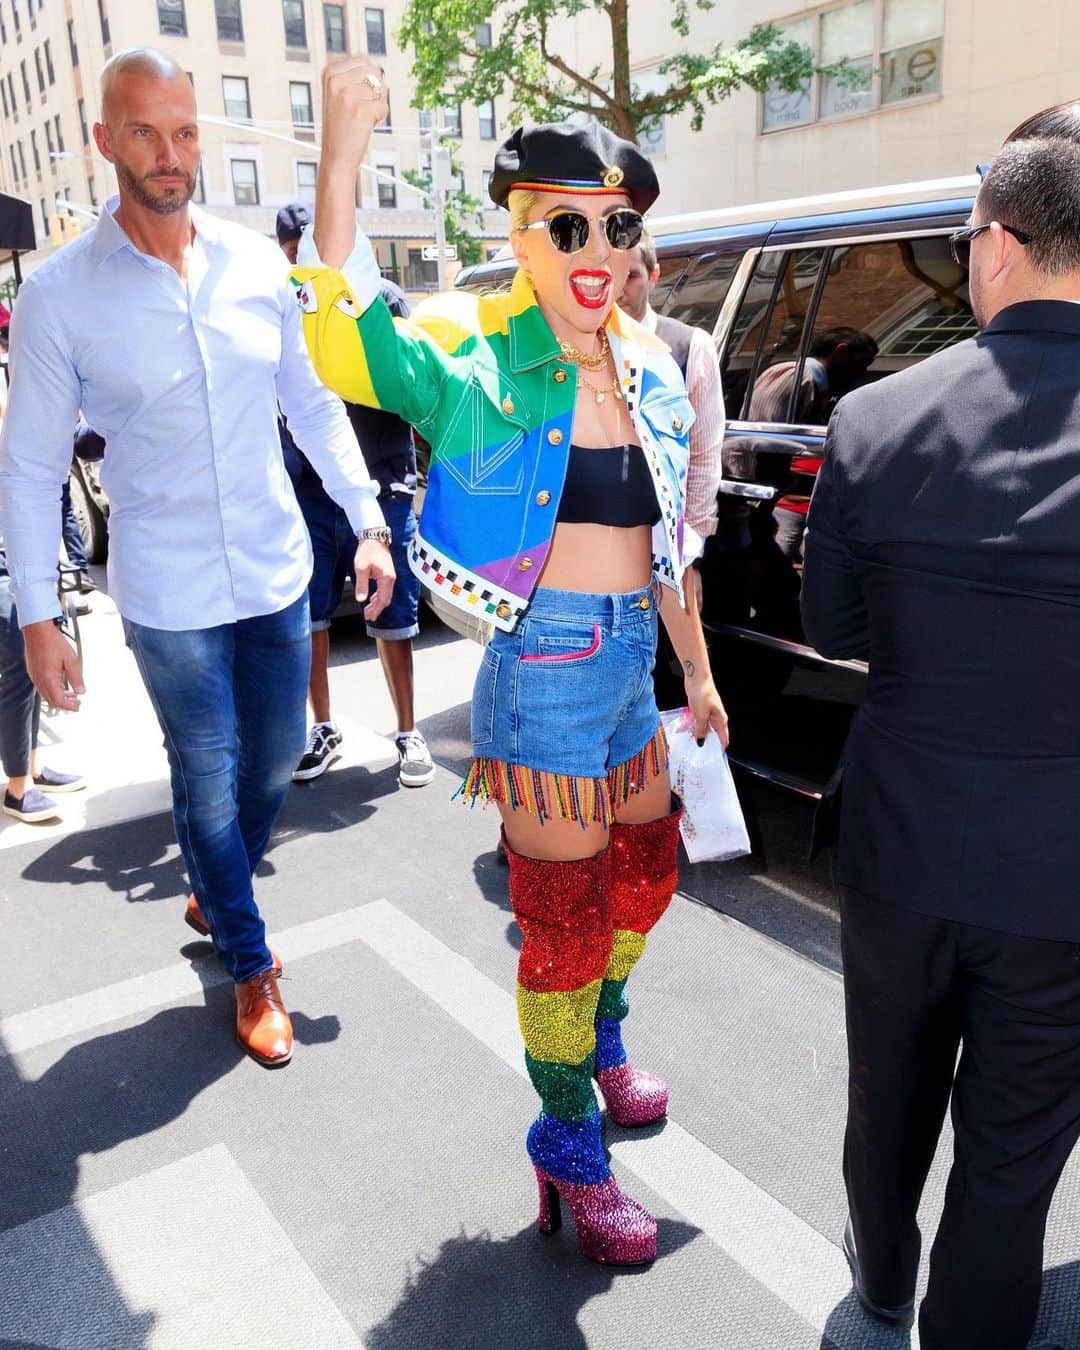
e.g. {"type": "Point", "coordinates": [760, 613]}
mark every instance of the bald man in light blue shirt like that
{"type": "Point", "coordinates": [176, 336]}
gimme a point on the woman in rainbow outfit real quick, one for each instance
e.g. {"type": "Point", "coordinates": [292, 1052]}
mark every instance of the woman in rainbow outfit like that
{"type": "Point", "coordinates": [559, 434]}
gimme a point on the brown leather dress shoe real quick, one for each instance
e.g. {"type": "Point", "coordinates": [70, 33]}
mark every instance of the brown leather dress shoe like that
{"type": "Point", "coordinates": [263, 1027]}
{"type": "Point", "coordinates": [193, 917]}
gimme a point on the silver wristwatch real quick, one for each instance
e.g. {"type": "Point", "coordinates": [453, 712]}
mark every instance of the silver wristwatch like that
{"type": "Point", "coordinates": [380, 533]}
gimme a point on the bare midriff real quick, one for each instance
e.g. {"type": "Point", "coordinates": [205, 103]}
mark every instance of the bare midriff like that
{"type": "Point", "coordinates": [601, 559]}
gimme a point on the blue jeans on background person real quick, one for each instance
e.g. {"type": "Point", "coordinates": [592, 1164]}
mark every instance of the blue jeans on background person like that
{"type": "Point", "coordinates": [20, 706]}
{"type": "Point", "coordinates": [231, 702]}
{"type": "Point", "coordinates": [73, 540]}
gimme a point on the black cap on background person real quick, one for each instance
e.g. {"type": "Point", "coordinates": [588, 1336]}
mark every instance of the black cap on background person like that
{"type": "Point", "coordinates": [291, 220]}
{"type": "Point", "coordinates": [561, 156]}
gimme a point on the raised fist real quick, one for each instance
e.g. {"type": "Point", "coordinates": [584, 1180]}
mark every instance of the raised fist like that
{"type": "Point", "coordinates": [355, 101]}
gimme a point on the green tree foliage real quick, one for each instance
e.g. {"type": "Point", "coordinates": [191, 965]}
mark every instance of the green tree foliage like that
{"type": "Point", "coordinates": [525, 61]}
{"type": "Point", "coordinates": [462, 213]}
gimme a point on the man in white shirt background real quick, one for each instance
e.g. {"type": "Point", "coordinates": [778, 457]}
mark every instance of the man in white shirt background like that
{"type": "Point", "coordinates": [176, 335]}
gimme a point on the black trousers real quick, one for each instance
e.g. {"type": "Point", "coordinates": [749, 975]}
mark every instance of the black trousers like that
{"type": "Point", "coordinates": [917, 991]}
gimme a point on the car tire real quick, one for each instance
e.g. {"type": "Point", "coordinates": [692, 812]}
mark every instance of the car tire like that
{"type": "Point", "coordinates": [92, 524]}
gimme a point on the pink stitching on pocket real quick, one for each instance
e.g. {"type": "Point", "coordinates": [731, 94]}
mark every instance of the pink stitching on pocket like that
{"type": "Point", "coordinates": [571, 656]}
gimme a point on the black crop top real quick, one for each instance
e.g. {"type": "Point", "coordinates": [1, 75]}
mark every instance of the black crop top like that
{"type": "Point", "coordinates": [612, 486]}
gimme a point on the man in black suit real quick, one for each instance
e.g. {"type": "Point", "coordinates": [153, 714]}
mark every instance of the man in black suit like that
{"type": "Point", "coordinates": [944, 545]}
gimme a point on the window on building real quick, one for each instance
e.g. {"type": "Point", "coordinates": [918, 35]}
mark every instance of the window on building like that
{"type": "Point", "coordinates": [72, 45]}
{"type": "Point", "coordinates": [25, 82]}
{"type": "Point", "coordinates": [487, 120]}
{"type": "Point", "coordinates": [485, 190]}
{"type": "Point", "coordinates": [388, 125]}
{"type": "Point", "coordinates": [83, 128]}
{"type": "Point", "coordinates": [35, 152]}
{"type": "Point", "coordinates": [11, 95]}
{"type": "Point", "coordinates": [234, 89]}
{"type": "Point", "coordinates": [3, 97]}
{"type": "Point", "coordinates": [48, 140]}
{"type": "Point", "coordinates": [375, 27]}
{"type": "Point", "coordinates": [172, 20]}
{"type": "Point", "coordinates": [22, 161]}
{"type": "Point", "coordinates": [44, 216]}
{"type": "Point", "coordinates": [295, 28]}
{"type": "Point", "coordinates": [59, 133]}
{"type": "Point", "coordinates": [15, 14]}
{"type": "Point", "coordinates": [452, 120]}
{"type": "Point", "coordinates": [306, 174]}
{"type": "Point", "coordinates": [230, 22]}
{"type": "Point", "coordinates": [103, 19]}
{"type": "Point", "coordinates": [425, 118]}
{"type": "Point", "coordinates": [300, 99]}
{"type": "Point", "coordinates": [48, 62]}
{"type": "Point", "coordinates": [3, 29]}
{"type": "Point", "coordinates": [92, 189]}
{"type": "Point", "coordinates": [14, 165]}
{"type": "Point", "coordinates": [334, 19]}
{"type": "Point", "coordinates": [40, 71]}
{"type": "Point", "coordinates": [419, 274]}
{"type": "Point", "coordinates": [200, 186]}
{"type": "Point", "coordinates": [387, 189]}
{"type": "Point", "coordinates": [891, 50]}
{"type": "Point", "coordinates": [483, 35]}
{"type": "Point", "coordinates": [245, 182]}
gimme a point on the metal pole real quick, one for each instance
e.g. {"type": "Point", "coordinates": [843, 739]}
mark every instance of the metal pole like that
{"type": "Point", "coordinates": [440, 235]}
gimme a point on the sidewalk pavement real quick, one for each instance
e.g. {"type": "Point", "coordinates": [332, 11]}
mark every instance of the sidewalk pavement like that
{"type": "Point", "coordinates": [158, 1189]}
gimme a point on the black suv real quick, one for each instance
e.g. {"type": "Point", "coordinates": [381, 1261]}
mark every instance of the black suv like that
{"type": "Point", "coordinates": [805, 301]}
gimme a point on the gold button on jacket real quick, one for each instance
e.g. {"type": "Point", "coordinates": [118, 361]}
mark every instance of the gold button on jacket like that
{"type": "Point", "coordinates": [555, 436]}
{"type": "Point", "coordinates": [543, 498]}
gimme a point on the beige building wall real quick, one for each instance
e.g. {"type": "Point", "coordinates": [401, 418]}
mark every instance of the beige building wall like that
{"type": "Point", "coordinates": [995, 63]}
{"type": "Point", "coordinates": [984, 65]}
{"type": "Point", "coordinates": [258, 151]}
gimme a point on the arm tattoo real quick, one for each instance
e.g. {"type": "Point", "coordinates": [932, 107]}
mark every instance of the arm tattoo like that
{"type": "Point", "coordinates": [689, 667]}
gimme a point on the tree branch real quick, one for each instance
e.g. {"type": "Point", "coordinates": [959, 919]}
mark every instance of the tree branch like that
{"type": "Point", "coordinates": [582, 81]}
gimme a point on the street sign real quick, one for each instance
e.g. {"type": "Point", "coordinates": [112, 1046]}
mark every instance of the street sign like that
{"type": "Point", "coordinates": [432, 252]}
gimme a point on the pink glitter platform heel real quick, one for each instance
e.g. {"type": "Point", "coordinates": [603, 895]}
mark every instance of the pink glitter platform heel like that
{"type": "Point", "coordinates": [611, 1228]}
{"type": "Point", "coordinates": [632, 1096]}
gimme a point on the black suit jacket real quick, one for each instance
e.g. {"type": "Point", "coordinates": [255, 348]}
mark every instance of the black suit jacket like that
{"type": "Point", "coordinates": [944, 545]}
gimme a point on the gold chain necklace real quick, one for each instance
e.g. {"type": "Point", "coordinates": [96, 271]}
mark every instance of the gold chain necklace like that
{"type": "Point", "coordinates": [600, 394]}
{"type": "Point", "coordinates": [587, 360]}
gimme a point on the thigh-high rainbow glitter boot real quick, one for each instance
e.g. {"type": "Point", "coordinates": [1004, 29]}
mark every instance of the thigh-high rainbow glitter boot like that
{"type": "Point", "coordinates": [644, 872]}
{"type": "Point", "coordinates": [562, 909]}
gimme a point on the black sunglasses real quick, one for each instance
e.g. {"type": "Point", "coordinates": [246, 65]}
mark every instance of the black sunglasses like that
{"type": "Point", "coordinates": [569, 230]}
{"type": "Point", "coordinates": [960, 241]}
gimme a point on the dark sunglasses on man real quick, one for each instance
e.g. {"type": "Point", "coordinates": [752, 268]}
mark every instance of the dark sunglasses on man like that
{"type": "Point", "coordinates": [569, 230]}
{"type": "Point", "coordinates": [960, 241]}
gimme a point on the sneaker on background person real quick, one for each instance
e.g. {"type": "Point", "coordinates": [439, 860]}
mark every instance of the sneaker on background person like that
{"type": "Point", "coordinates": [415, 765]}
{"type": "Point", "coordinates": [33, 807]}
{"type": "Point", "coordinates": [322, 749]}
{"type": "Point", "coordinates": [51, 780]}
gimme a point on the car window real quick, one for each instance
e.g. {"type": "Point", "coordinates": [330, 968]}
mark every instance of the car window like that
{"type": "Point", "coordinates": [698, 298]}
{"type": "Point", "coordinates": [671, 269]}
{"type": "Point", "coordinates": [884, 306]}
{"type": "Point", "coordinates": [770, 320]}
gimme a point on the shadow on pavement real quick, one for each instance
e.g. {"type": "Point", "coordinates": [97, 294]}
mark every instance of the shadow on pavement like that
{"type": "Point", "coordinates": [112, 1088]}
{"type": "Point", "coordinates": [1057, 1327]}
{"type": "Point", "coordinates": [139, 859]}
{"type": "Point", "coordinates": [492, 878]}
{"type": "Point", "coordinates": [526, 1290]}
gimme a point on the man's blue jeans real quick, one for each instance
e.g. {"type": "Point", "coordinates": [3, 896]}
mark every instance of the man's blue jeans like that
{"type": "Point", "coordinates": [231, 702]}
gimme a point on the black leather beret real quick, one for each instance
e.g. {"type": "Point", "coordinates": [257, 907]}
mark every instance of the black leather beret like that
{"type": "Point", "coordinates": [558, 156]}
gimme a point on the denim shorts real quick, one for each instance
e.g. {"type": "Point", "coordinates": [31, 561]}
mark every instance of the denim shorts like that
{"type": "Point", "coordinates": [568, 694]}
{"type": "Point", "coordinates": [333, 545]}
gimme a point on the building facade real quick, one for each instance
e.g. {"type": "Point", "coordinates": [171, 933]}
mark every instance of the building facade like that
{"type": "Point", "coordinates": [256, 66]}
{"type": "Point", "coordinates": [935, 86]}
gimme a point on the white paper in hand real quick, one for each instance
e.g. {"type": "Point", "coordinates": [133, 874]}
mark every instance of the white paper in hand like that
{"type": "Point", "coordinates": [713, 827]}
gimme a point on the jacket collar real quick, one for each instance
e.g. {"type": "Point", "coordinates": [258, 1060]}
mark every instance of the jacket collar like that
{"type": "Point", "coordinates": [1037, 316]}
{"type": "Point", "coordinates": [532, 342]}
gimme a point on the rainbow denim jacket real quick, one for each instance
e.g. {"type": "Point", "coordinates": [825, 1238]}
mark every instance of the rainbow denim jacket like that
{"type": "Point", "coordinates": [483, 381]}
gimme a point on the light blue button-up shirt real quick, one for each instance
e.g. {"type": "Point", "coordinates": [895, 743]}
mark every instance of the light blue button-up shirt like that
{"type": "Point", "coordinates": [184, 385]}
